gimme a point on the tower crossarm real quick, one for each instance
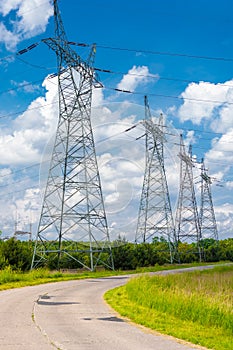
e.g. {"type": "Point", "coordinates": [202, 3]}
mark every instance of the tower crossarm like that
{"type": "Point", "coordinates": [66, 56]}
{"type": "Point", "coordinates": [186, 158]}
{"type": "Point", "coordinates": [154, 130]}
{"type": "Point", "coordinates": [69, 58]}
{"type": "Point", "coordinates": [206, 178]}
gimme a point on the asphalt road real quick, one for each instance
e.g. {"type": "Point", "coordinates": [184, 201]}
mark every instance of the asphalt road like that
{"type": "Point", "coordinates": [72, 316]}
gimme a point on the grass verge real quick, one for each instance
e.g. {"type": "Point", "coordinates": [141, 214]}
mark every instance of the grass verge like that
{"type": "Point", "coordinates": [195, 306]}
{"type": "Point", "coordinates": [15, 279]}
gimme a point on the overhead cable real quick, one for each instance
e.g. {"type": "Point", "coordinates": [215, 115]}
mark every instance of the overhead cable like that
{"type": "Point", "coordinates": [167, 96]}
{"type": "Point", "coordinates": [227, 59]}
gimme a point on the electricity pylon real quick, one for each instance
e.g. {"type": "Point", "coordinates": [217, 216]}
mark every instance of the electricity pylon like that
{"type": "Point", "coordinates": [155, 214]}
{"type": "Point", "coordinates": [208, 223]}
{"type": "Point", "coordinates": [73, 220]}
{"type": "Point", "coordinates": [187, 219]}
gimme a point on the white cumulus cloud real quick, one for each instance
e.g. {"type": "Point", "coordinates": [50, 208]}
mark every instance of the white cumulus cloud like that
{"type": "Point", "coordinates": [134, 77]}
{"type": "Point", "coordinates": [24, 139]}
{"type": "Point", "coordinates": [23, 19]}
{"type": "Point", "coordinates": [208, 101]}
{"type": "Point", "coordinates": [10, 39]}
{"type": "Point", "coordinates": [221, 152]}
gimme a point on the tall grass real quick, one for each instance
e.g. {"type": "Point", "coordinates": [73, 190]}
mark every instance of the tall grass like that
{"type": "Point", "coordinates": [195, 306]}
{"type": "Point", "coordinates": [10, 278]}
{"type": "Point", "coordinates": [200, 297]}
{"type": "Point", "coordinates": [13, 279]}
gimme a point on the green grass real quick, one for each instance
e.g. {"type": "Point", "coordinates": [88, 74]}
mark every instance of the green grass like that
{"type": "Point", "coordinates": [194, 306]}
{"type": "Point", "coordinates": [15, 279]}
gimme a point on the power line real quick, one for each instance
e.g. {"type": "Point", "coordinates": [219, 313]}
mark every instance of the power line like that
{"type": "Point", "coordinates": [20, 52]}
{"type": "Point", "coordinates": [23, 169]}
{"type": "Point", "coordinates": [114, 89]}
{"type": "Point", "coordinates": [34, 8]}
{"type": "Point", "coordinates": [165, 126]}
{"type": "Point", "coordinates": [227, 59]}
{"type": "Point", "coordinates": [167, 53]}
{"type": "Point", "coordinates": [31, 64]}
{"type": "Point", "coordinates": [181, 130]}
{"type": "Point", "coordinates": [153, 76]}
{"type": "Point", "coordinates": [18, 191]}
{"type": "Point", "coordinates": [157, 77]}
{"type": "Point", "coordinates": [193, 145]}
{"type": "Point", "coordinates": [98, 142]}
{"type": "Point", "coordinates": [132, 92]}
{"type": "Point", "coordinates": [19, 181]}
{"type": "Point", "coordinates": [28, 109]}
{"type": "Point", "coordinates": [34, 45]}
{"type": "Point", "coordinates": [167, 96]}
{"type": "Point", "coordinates": [3, 194]}
{"type": "Point", "coordinates": [20, 86]}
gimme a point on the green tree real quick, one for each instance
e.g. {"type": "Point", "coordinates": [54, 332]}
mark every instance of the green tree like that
{"type": "Point", "coordinates": [187, 253]}
{"type": "Point", "coordinates": [226, 249]}
{"type": "Point", "coordinates": [124, 257]}
{"type": "Point", "coordinates": [17, 254]}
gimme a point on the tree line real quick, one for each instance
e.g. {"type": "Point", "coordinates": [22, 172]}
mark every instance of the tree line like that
{"type": "Point", "coordinates": [127, 256]}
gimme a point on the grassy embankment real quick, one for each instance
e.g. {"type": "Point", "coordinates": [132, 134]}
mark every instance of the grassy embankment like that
{"type": "Point", "coordinates": [195, 306]}
{"type": "Point", "coordinates": [15, 279]}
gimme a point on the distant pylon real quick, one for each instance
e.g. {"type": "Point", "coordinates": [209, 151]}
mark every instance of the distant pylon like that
{"type": "Point", "coordinates": [155, 214]}
{"type": "Point", "coordinates": [208, 223]}
{"type": "Point", "coordinates": [73, 221]}
{"type": "Point", "coordinates": [187, 220]}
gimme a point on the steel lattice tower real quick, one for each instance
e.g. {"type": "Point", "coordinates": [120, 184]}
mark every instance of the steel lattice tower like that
{"type": "Point", "coordinates": [73, 220]}
{"type": "Point", "coordinates": [155, 214]}
{"type": "Point", "coordinates": [187, 220]}
{"type": "Point", "coordinates": [208, 223]}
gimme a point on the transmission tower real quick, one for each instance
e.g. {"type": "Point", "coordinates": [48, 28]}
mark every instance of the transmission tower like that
{"type": "Point", "coordinates": [155, 214]}
{"type": "Point", "coordinates": [208, 223]}
{"type": "Point", "coordinates": [73, 220]}
{"type": "Point", "coordinates": [187, 220]}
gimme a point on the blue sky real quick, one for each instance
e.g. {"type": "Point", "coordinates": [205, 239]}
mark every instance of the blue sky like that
{"type": "Point", "coordinates": [179, 53]}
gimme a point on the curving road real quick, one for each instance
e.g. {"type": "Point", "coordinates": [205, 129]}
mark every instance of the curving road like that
{"type": "Point", "coordinates": [72, 316]}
